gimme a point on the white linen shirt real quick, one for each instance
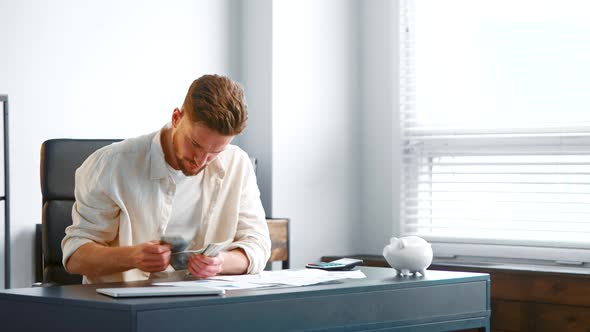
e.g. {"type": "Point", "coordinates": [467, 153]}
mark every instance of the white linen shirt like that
{"type": "Point", "coordinates": [124, 196]}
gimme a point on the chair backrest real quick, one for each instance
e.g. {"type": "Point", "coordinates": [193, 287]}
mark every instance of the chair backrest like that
{"type": "Point", "coordinates": [59, 160]}
{"type": "Point", "coordinates": [279, 237]}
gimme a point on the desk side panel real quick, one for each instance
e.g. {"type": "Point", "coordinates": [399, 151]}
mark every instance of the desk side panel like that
{"type": "Point", "coordinates": [351, 310]}
{"type": "Point", "coordinates": [39, 316]}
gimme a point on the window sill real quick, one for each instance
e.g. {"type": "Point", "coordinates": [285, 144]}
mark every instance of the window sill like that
{"type": "Point", "coordinates": [379, 261]}
{"type": "Point", "coordinates": [516, 267]}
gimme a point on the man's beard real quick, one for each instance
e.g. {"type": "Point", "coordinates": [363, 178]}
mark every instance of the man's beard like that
{"type": "Point", "coordinates": [184, 164]}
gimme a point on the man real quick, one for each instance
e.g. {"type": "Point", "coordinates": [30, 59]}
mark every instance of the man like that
{"type": "Point", "coordinates": [186, 179]}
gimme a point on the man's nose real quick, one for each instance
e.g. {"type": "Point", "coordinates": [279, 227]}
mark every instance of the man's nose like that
{"type": "Point", "coordinates": [201, 159]}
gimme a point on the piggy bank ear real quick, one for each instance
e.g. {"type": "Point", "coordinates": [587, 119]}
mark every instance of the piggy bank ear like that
{"type": "Point", "coordinates": [402, 243]}
{"type": "Point", "coordinates": [393, 241]}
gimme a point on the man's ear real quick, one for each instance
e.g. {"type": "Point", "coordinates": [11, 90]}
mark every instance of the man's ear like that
{"type": "Point", "coordinates": [176, 116]}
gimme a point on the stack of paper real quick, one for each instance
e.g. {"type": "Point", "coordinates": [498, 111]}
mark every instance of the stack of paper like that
{"type": "Point", "coordinates": [270, 278]}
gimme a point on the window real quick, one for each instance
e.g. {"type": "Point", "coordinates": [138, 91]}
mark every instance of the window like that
{"type": "Point", "coordinates": [495, 122]}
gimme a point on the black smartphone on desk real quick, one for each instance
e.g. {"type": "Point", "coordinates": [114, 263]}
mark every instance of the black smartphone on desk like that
{"type": "Point", "coordinates": [342, 264]}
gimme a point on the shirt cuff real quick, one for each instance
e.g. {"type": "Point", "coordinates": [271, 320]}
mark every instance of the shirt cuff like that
{"type": "Point", "coordinates": [70, 246]}
{"type": "Point", "coordinates": [255, 265]}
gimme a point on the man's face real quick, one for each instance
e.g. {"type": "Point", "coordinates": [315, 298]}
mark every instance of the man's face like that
{"type": "Point", "coordinates": [194, 144]}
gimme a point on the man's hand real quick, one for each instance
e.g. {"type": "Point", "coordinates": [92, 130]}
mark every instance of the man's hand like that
{"type": "Point", "coordinates": [226, 262]}
{"type": "Point", "coordinates": [204, 266]}
{"type": "Point", "coordinates": [151, 256]}
{"type": "Point", "coordinates": [95, 260]}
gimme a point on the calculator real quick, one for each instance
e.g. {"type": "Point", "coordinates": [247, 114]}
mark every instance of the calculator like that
{"type": "Point", "coordinates": [343, 264]}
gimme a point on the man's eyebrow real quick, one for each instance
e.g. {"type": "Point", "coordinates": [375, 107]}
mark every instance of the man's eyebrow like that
{"type": "Point", "coordinates": [199, 145]}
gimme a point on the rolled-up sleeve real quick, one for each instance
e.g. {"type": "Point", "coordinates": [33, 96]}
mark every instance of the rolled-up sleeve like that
{"type": "Point", "coordinates": [95, 216]}
{"type": "Point", "coordinates": [252, 231]}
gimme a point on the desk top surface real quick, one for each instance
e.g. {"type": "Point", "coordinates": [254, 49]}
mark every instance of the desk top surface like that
{"type": "Point", "coordinates": [378, 279]}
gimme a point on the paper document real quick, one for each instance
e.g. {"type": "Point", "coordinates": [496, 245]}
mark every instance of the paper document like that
{"type": "Point", "coordinates": [269, 278]}
{"type": "Point", "coordinates": [209, 283]}
{"type": "Point", "coordinates": [294, 277]}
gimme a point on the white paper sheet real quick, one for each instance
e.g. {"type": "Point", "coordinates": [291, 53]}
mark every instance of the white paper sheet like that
{"type": "Point", "coordinates": [216, 284]}
{"type": "Point", "coordinates": [270, 278]}
{"type": "Point", "coordinates": [303, 277]}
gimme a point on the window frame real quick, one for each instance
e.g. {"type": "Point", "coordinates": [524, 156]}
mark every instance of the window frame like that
{"type": "Point", "coordinates": [469, 251]}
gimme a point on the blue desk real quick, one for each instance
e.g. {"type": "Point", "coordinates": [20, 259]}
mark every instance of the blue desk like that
{"type": "Point", "coordinates": [441, 301]}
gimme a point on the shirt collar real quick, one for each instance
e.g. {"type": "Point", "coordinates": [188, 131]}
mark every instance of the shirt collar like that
{"type": "Point", "coordinates": [158, 169]}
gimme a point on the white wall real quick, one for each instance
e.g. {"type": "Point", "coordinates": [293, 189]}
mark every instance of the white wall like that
{"type": "Point", "coordinates": [256, 76]}
{"type": "Point", "coordinates": [97, 69]}
{"type": "Point", "coordinates": [319, 79]}
{"type": "Point", "coordinates": [380, 124]}
{"type": "Point", "coordinates": [315, 125]}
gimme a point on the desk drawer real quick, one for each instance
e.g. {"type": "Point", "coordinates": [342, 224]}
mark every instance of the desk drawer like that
{"type": "Point", "coordinates": [352, 310]}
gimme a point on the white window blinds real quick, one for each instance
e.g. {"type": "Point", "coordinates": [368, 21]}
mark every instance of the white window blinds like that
{"type": "Point", "coordinates": [495, 121]}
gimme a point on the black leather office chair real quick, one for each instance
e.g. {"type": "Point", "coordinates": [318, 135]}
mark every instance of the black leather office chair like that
{"type": "Point", "coordinates": [59, 160]}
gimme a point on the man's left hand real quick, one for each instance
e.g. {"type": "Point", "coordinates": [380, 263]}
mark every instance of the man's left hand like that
{"type": "Point", "coordinates": [204, 266]}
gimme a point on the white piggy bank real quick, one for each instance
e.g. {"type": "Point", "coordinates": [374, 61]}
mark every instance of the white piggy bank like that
{"type": "Point", "coordinates": [409, 254]}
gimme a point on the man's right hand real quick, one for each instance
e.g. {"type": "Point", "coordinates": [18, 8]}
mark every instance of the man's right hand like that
{"type": "Point", "coordinates": [94, 260]}
{"type": "Point", "coordinates": [151, 256]}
